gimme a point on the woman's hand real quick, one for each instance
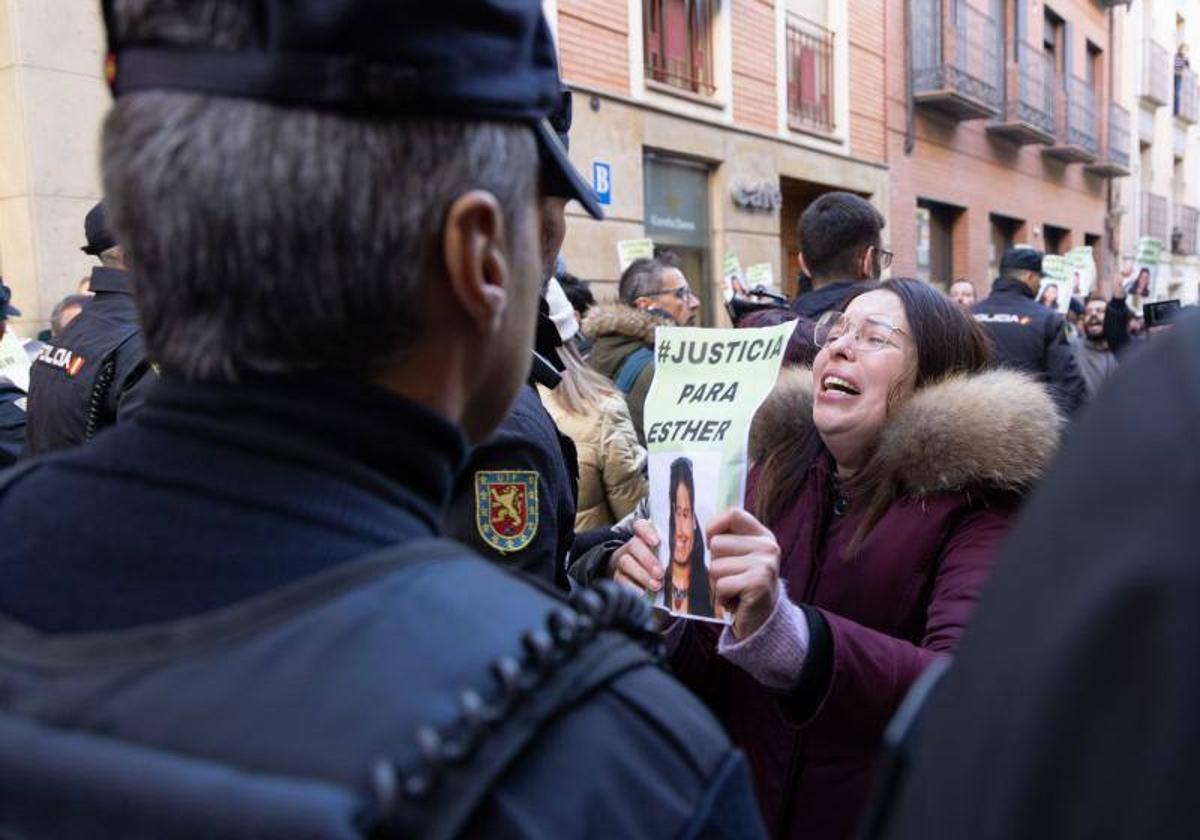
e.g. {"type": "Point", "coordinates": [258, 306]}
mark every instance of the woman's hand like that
{"type": "Point", "coordinates": [744, 568]}
{"type": "Point", "coordinates": [636, 562]}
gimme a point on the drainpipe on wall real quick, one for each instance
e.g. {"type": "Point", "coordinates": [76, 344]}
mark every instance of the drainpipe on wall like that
{"type": "Point", "coordinates": [1111, 218]}
{"type": "Point", "coordinates": [910, 134]}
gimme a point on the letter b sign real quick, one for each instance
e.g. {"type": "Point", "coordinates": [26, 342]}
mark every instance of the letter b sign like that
{"type": "Point", "coordinates": [602, 181]}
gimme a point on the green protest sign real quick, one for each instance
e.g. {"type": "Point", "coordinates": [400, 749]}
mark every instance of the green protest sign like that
{"type": "Point", "coordinates": [1055, 267]}
{"type": "Point", "coordinates": [629, 250]}
{"type": "Point", "coordinates": [1082, 264]}
{"type": "Point", "coordinates": [1147, 251]}
{"type": "Point", "coordinates": [731, 276]}
{"type": "Point", "coordinates": [708, 383]}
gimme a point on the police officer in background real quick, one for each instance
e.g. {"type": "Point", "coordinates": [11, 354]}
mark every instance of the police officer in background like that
{"type": "Point", "coordinates": [94, 372]}
{"type": "Point", "coordinates": [1027, 335]}
{"type": "Point", "coordinates": [231, 615]}
{"type": "Point", "coordinates": [515, 500]}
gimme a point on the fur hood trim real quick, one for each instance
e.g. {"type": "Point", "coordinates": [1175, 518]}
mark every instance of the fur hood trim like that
{"type": "Point", "coordinates": [996, 430]}
{"type": "Point", "coordinates": [608, 318]}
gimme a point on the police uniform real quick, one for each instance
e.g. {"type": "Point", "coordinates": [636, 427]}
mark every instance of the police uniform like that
{"type": "Point", "coordinates": [92, 374]}
{"type": "Point", "coordinates": [515, 501]}
{"type": "Point", "coordinates": [222, 620]}
{"type": "Point", "coordinates": [1029, 336]}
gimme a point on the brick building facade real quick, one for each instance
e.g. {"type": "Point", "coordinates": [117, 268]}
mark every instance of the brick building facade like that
{"type": "Point", "coordinates": [697, 111]}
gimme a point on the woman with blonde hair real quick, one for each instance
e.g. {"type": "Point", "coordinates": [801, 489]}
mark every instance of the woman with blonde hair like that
{"type": "Point", "coordinates": [612, 464]}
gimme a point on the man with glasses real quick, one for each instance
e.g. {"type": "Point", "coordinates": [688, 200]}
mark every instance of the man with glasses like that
{"type": "Point", "coordinates": [1026, 335]}
{"type": "Point", "coordinates": [653, 292]}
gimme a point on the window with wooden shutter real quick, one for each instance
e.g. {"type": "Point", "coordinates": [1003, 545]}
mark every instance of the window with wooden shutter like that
{"type": "Point", "coordinates": [679, 43]}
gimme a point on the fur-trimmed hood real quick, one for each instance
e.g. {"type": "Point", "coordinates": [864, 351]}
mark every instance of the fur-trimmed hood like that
{"type": "Point", "coordinates": [609, 318]}
{"type": "Point", "coordinates": [994, 430]}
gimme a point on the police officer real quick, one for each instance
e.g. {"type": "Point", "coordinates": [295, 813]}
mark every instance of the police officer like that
{"type": "Point", "coordinates": [94, 372]}
{"type": "Point", "coordinates": [231, 616]}
{"type": "Point", "coordinates": [1027, 335]}
{"type": "Point", "coordinates": [515, 500]}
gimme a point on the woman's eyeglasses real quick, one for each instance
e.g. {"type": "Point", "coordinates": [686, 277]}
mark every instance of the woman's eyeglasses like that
{"type": "Point", "coordinates": [867, 336]}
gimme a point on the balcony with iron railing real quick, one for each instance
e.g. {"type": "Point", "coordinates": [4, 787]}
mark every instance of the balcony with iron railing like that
{"type": "Point", "coordinates": [1154, 217]}
{"type": "Point", "coordinates": [1183, 236]}
{"type": "Point", "coordinates": [1156, 73]}
{"type": "Point", "coordinates": [955, 52]}
{"type": "Point", "coordinates": [1187, 103]}
{"type": "Point", "coordinates": [1113, 160]}
{"type": "Point", "coordinates": [1077, 140]}
{"type": "Point", "coordinates": [810, 75]}
{"type": "Point", "coordinates": [1029, 111]}
{"type": "Point", "coordinates": [678, 45]}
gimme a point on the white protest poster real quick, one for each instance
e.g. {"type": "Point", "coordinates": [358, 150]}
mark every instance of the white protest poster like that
{"type": "Point", "coordinates": [731, 277]}
{"type": "Point", "coordinates": [1055, 291]}
{"type": "Point", "coordinates": [708, 383]}
{"type": "Point", "coordinates": [760, 274]}
{"type": "Point", "coordinates": [14, 361]}
{"type": "Point", "coordinates": [1143, 286]}
{"type": "Point", "coordinates": [1082, 270]}
{"type": "Point", "coordinates": [629, 250]}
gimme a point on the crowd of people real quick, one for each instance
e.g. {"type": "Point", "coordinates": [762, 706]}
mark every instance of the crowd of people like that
{"type": "Point", "coordinates": [329, 508]}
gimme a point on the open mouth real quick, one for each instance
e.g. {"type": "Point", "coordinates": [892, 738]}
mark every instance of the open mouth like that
{"type": "Point", "coordinates": [839, 385]}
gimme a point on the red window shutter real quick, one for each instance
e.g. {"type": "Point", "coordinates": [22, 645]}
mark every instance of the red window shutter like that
{"type": "Point", "coordinates": [654, 34]}
{"type": "Point", "coordinates": [675, 39]}
{"type": "Point", "coordinates": [701, 37]}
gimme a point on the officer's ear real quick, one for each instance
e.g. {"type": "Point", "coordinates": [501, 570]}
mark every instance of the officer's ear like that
{"type": "Point", "coordinates": [478, 270]}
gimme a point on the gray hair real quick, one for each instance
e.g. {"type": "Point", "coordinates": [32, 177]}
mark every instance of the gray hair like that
{"type": "Point", "coordinates": [267, 240]}
{"type": "Point", "coordinates": [644, 277]}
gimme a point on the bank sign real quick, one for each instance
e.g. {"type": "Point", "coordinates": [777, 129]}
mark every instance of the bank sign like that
{"type": "Point", "coordinates": [602, 181]}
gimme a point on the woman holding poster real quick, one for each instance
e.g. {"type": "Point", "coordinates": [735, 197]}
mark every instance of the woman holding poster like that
{"type": "Point", "coordinates": [883, 483]}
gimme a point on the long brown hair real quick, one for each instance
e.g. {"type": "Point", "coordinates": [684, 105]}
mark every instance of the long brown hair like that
{"type": "Point", "coordinates": [948, 342]}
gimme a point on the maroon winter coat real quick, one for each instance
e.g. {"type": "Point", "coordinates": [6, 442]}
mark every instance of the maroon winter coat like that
{"type": "Point", "coordinates": [962, 452]}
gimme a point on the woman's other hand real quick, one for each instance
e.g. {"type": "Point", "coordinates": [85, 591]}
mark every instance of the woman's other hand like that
{"type": "Point", "coordinates": [744, 568]}
{"type": "Point", "coordinates": [636, 562]}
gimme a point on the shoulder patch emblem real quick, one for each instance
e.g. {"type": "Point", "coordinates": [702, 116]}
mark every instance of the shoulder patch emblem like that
{"type": "Point", "coordinates": [506, 508]}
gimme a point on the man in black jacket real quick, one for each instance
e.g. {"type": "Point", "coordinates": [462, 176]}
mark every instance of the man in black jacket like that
{"type": "Point", "coordinates": [330, 207]}
{"type": "Point", "coordinates": [1026, 335]}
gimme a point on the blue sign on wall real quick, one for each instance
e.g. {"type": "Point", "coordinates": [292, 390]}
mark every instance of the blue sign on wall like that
{"type": "Point", "coordinates": [602, 181]}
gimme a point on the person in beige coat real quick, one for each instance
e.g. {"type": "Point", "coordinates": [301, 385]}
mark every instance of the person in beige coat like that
{"type": "Point", "coordinates": [612, 464]}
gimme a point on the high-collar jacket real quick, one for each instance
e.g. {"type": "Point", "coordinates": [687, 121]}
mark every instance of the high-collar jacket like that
{"type": "Point", "coordinates": [961, 454]}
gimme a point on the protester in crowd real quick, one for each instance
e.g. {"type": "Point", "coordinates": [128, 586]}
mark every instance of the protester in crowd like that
{"type": "Point", "coordinates": [515, 500]}
{"type": "Point", "coordinates": [612, 464]}
{"type": "Point", "coordinates": [883, 482]}
{"type": "Point", "coordinates": [962, 292]}
{"type": "Point", "coordinates": [1096, 359]}
{"type": "Point", "coordinates": [1070, 702]}
{"type": "Point", "coordinates": [1026, 335]}
{"type": "Point", "coordinates": [1181, 64]}
{"type": "Point", "coordinates": [241, 588]}
{"type": "Point", "coordinates": [577, 293]}
{"type": "Point", "coordinates": [652, 293]}
{"type": "Point", "coordinates": [64, 312]}
{"type": "Point", "coordinates": [94, 373]}
{"type": "Point", "coordinates": [1074, 319]}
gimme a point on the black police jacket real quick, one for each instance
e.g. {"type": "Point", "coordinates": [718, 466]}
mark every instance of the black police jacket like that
{"type": "Point", "coordinates": [90, 375]}
{"type": "Point", "coordinates": [1029, 336]}
{"type": "Point", "coordinates": [179, 588]}
{"type": "Point", "coordinates": [514, 501]}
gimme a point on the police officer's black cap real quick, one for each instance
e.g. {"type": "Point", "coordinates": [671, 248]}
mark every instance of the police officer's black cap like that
{"type": "Point", "coordinates": [473, 59]}
{"type": "Point", "coordinates": [1022, 259]}
{"type": "Point", "coordinates": [96, 231]}
{"type": "Point", "coordinates": [7, 310]}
